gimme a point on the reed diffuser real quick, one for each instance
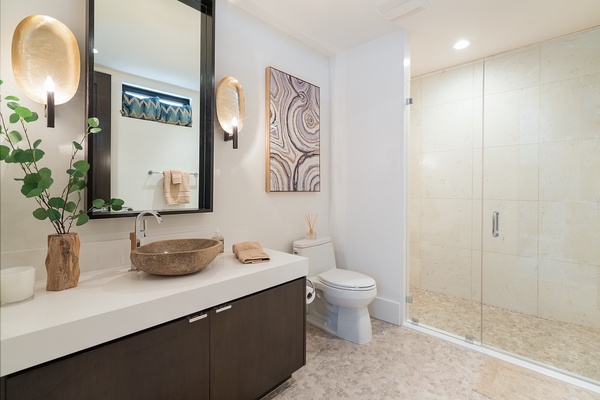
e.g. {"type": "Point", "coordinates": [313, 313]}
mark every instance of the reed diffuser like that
{"type": "Point", "coordinates": [311, 220]}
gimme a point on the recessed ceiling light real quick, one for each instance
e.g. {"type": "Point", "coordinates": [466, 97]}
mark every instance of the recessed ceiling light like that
{"type": "Point", "coordinates": [462, 44]}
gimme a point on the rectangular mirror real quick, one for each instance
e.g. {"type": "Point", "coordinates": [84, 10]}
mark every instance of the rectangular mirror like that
{"type": "Point", "coordinates": [150, 82]}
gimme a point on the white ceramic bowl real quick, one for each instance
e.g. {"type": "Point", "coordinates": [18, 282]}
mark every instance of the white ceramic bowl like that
{"type": "Point", "coordinates": [17, 284]}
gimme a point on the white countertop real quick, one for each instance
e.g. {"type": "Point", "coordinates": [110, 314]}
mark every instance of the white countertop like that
{"type": "Point", "coordinates": [112, 303]}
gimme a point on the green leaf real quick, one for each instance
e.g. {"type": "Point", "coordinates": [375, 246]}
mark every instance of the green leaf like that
{"type": "Point", "coordinates": [27, 188]}
{"type": "Point", "coordinates": [45, 172]}
{"type": "Point", "coordinates": [71, 171]}
{"type": "Point", "coordinates": [82, 219]}
{"type": "Point", "coordinates": [116, 208]}
{"type": "Point", "coordinates": [15, 136]}
{"type": "Point", "coordinates": [95, 130]}
{"type": "Point", "coordinates": [22, 156]}
{"type": "Point", "coordinates": [116, 202]}
{"type": "Point", "coordinates": [70, 207]}
{"type": "Point", "coordinates": [32, 117]}
{"type": "Point", "coordinates": [38, 154]}
{"type": "Point", "coordinates": [77, 145]}
{"type": "Point", "coordinates": [14, 98]}
{"type": "Point", "coordinates": [98, 203]}
{"type": "Point", "coordinates": [82, 166]}
{"type": "Point", "coordinates": [57, 202]}
{"type": "Point", "coordinates": [32, 179]}
{"type": "Point", "coordinates": [79, 185]}
{"type": "Point", "coordinates": [14, 118]}
{"type": "Point", "coordinates": [53, 214]}
{"type": "Point", "coordinates": [4, 152]}
{"type": "Point", "coordinates": [23, 112]}
{"type": "Point", "coordinates": [36, 144]}
{"type": "Point", "coordinates": [45, 183]}
{"type": "Point", "coordinates": [93, 122]}
{"type": "Point", "coordinates": [78, 174]}
{"type": "Point", "coordinates": [34, 193]}
{"type": "Point", "coordinates": [12, 105]}
{"type": "Point", "coordinates": [40, 214]}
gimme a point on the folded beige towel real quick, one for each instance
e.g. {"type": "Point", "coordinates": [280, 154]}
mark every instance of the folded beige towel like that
{"type": "Point", "coordinates": [176, 193]}
{"type": "Point", "coordinates": [250, 253]}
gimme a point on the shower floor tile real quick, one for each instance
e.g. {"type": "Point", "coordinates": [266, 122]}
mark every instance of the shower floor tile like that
{"type": "Point", "coordinates": [569, 347]}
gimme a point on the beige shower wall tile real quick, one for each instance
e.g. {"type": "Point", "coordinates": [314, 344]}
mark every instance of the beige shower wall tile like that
{"type": "Point", "coordinates": [510, 172]}
{"type": "Point", "coordinates": [569, 231]}
{"type": "Point", "coordinates": [516, 70]}
{"type": "Point", "coordinates": [571, 57]}
{"type": "Point", "coordinates": [447, 174]}
{"type": "Point", "coordinates": [570, 109]}
{"type": "Point", "coordinates": [415, 92]}
{"type": "Point", "coordinates": [477, 173]}
{"type": "Point", "coordinates": [570, 292]}
{"type": "Point", "coordinates": [414, 188]}
{"type": "Point", "coordinates": [512, 117]}
{"type": "Point", "coordinates": [570, 171]}
{"type": "Point", "coordinates": [414, 257]}
{"type": "Point", "coordinates": [414, 141]}
{"type": "Point", "coordinates": [447, 86]}
{"type": "Point", "coordinates": [476, 275]}
{"type": "Point", "coordinates": [446, 222]}
{"type": "Point", "coordinates": [414, 222]}
{"type": "Point", "coordinates": [447, 126]}
{"type": "Point", "coordinates": [518, 227]}
{"type": "Point", "coordinates": [476, 227]}
{"type": "Point", "coordinates": [446, 270]}
{"type": "Point", "coordinates": [510, 282]}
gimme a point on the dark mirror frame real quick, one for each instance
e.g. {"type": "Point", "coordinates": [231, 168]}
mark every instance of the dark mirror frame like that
{"type": "Point", "coordinates": [98, 145]}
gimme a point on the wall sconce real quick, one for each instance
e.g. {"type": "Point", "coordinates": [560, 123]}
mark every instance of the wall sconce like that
{"type": "Point", "coordinates": [45, 61]}
{"type": "Point", "coordinates": [231, 108]}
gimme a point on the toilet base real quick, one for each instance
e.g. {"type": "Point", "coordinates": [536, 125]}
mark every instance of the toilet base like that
{"type": "Point", "coordinates": [353, 324]}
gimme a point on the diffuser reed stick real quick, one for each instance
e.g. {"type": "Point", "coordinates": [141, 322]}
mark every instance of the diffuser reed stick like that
{"type": "Point", "coordinates": [311, 220]}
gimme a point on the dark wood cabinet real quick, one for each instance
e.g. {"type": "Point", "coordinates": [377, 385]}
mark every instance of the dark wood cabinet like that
{"type": "Point", "coordinates": [257, 342]}
{"type": "Point", "coordinates": [165, 362]}
{"type": "Point", "coordinates": [240, 350]}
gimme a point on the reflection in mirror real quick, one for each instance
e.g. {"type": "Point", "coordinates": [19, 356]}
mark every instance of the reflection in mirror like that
{"type": "Point", "coordinates": [151, 84]}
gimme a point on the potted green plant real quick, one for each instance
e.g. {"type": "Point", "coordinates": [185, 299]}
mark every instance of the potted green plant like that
{"type": "Point", "coordinates": [62, 209]}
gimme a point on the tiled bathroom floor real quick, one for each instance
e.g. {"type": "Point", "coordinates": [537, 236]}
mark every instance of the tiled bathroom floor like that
{"type": "Point", "coordinates": [566, 346]}
{"type": "Point", "coordinates": [400, 363]}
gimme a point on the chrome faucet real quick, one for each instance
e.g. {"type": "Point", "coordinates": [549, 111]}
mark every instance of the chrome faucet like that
{"type": "Point", "coordinates": [140, 231]}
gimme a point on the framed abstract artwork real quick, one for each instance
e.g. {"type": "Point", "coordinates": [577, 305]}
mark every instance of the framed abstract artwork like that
{"type": "Point", "coordinates": [293, 134]}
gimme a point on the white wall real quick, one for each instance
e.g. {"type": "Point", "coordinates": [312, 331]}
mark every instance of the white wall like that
{"type": "Point", "coordinates": [242, 208]}
{"type": "Point", "coordinates": [369, 108]}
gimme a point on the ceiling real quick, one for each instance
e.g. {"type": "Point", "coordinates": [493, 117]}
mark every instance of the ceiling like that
{"type": "Point", "coordinates": [493, 26]}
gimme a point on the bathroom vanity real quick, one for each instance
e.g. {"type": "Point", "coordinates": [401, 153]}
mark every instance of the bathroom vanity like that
{"type": "Point", "coordinates": [231, 331]}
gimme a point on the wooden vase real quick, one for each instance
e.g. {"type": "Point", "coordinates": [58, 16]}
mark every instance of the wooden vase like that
{"type": "Point", "coordinates": [62, 261]}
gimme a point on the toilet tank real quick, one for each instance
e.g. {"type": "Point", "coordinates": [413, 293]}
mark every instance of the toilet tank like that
{"type": "Point", "coordinates": [319, 253]}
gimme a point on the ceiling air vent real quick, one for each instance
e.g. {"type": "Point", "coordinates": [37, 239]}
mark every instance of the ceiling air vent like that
{"type": "Point", "coordinates": [395, 11]}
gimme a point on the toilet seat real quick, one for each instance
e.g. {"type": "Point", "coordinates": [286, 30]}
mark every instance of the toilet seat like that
{"type": "Point", "coordinates": [347, 280]}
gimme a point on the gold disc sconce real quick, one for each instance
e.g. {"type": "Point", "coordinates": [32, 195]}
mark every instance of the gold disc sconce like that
{"type": "Point", "coordinates": [231, 108]}
{"type": "Point", "coordinates": [45, 61]}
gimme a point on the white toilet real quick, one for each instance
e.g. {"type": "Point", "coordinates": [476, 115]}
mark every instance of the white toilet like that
{"type": "Point", "coordinates": [342, 296]}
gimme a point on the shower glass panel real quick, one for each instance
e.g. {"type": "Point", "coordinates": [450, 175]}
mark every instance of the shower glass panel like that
{"type": "Point", "coordinates": [541, 174]}
{"type": "Point", "coordinates": [445, 201]}
{"type": "Point", "coordinates": [504, 198]}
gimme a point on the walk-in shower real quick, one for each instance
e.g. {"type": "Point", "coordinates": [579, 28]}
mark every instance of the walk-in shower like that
{"type": "Point", "coordinates": [504, 200]}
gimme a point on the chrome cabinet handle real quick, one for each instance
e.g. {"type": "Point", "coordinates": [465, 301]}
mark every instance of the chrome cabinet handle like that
{"type": "Point", "coordinates": [224, 308]}
{"type": "Point", "coordinates": [195, 318]}
{"type": "Point", "coordinates": [495, 223]}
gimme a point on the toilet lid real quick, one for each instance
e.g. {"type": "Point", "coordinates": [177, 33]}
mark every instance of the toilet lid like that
{"type": "Point", "coordinates": [344, 279]}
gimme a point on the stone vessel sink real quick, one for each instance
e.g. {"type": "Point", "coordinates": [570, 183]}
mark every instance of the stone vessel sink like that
{"type": "Point", "coordinates": [175, 257]}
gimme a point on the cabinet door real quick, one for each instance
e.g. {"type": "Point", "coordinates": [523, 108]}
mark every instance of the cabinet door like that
{"type": "Point", "coordinates": [165, 362]}
{"type": "Point", "coordinates": [257, 342]}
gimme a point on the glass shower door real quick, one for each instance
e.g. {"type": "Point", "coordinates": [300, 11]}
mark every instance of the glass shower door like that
{"type": "Point", "coordinates": [445, 202]}
{"type": "Point", "coordinates": [541, 193]}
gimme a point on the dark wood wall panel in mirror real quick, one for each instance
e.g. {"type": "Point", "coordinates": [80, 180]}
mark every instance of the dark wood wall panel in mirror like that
{"type": "Point", "coordinates": [150, 81]}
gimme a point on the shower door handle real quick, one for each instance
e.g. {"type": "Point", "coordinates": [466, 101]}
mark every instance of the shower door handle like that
{"type": "Point", "coordinates": [495, 223]}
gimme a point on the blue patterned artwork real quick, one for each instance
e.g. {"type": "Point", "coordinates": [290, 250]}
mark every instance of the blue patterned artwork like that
{"type": "Point", "coordinates": [151, 109]}
{"type": "Point", "coordinates": [293, 134]}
